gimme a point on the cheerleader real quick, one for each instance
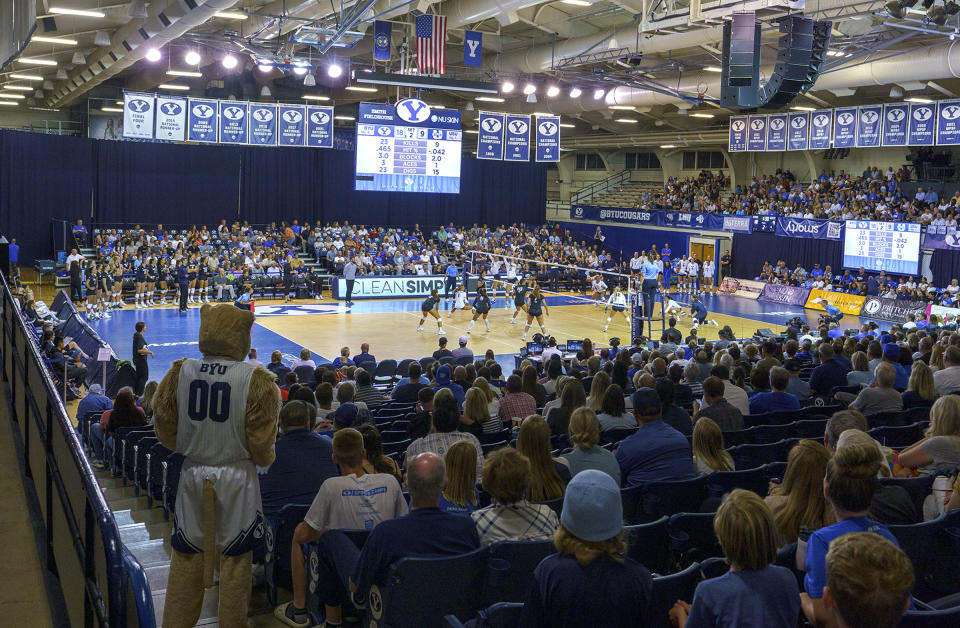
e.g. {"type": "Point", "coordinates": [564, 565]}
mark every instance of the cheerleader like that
{"type": "Point", "coordinates": [519, 299]}
{"type": "Point", "coordinates": [618, 305]}
{"type": "Point", "coordinates": [139, 285]}
{"type": "Point", "coordinates": [481, 307]}
{"type": "Point", "coordinates": [429, 308]}
{"type": "Point", "coordinates": [598, 289]}
{"type": "Point", "coordinates": [460, 301]}
{"type": "Point", "coordinates": [91, 285]}
{"type": "Point", "coordinates": [538, 307]}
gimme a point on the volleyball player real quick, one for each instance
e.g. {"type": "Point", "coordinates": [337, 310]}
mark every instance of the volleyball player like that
{"type": "Point", "coordinates": [139, 285]}
{"type": "Point", "coordinates": [510, 273]}
{"type": "Point", "coordinates": [429, 308]}
{"type": "Point", "coordinates": [496, 272]}
{"type": "Point", "coordinates": [460, 301]}
{"type": "Point", "coordinates": [618, 305]}
{"type": "Point", "coordinates": [598, 289]}
{"type": "Point", "coordinates": [667, 266]}
{"type": "Point", "coordinates": [191, 277]}
{"type": "Point", "coordinates": [163, 280]}
{"type": "Point", "coordinates": [693, 273]}
{"type": "Point", "coordinates": [680, 269]}
{"type": "Point", "coordinates": [105, 285]}
{"type": "Point", "coordinates": [117, 302]}
{"type": "Point", "coordinates": [699, 312]}
{"type": "Point", "coordinates": [481, 308]}
{"type": "Point", "coordinates": [538, 307]}
{"type": "Point", "coordinates": [202, 279]}
{"type": "Point", "coordinates": [92, 286]}
{"type": "Point", "coordinates": [150, 272]}
{"type": "Point", "coordinates": [520, 298]}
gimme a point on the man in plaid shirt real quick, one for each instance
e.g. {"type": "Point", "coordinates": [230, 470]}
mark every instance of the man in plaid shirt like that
{"type": "Point", "coordinates": [516, 404]}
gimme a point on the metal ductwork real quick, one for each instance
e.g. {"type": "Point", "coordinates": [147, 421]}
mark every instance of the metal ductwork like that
{"type": "Point", "coordinates": [130, 43]}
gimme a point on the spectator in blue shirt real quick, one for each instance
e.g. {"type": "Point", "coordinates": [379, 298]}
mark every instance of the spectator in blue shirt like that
{"type": "Point", "coordinates": [891, 355]}
{"type": "Point", "coordinates": [754, 592]}
{"type": "Point", "coordinates": [655, 452]}
{"type": "Point", "coordinates": [830, 373]}
{"type": "Point", "coordinates": [365, 359]}
{"type": "Point", "coordinates": [343, 359]}
{"type": "Point", "coordinates": [14, 250]}
{"type": "Point", "coordinates": [80, 233]}
{"type": "Point", "coordinates": [95, 401]}
{"type": "Point", "coordinates": [849, 486]}
{"type": "Point", "coordinates": [778, 399]}
{"type": "Point", "coordinates": [304, 460]}
{"type": "Point", "coordinates": [443, 381]}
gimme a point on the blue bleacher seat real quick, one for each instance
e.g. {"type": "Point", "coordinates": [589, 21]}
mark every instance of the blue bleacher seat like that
{"type": "Point", "coordinates": [934, 549]}
{"type": "Point", "coordinates": [158, 461]}
{"type": "Point", "coordinates": [936, 614]}
{"type": "Point", "coordinates": [668, 589]}
{"type": "Point", "coordinates": [494, 437]}
{"type": "Point", "coordinates": [761, 434]}
{"type": "Point", "coordinates": [918, 488]}
{"type": "Point", "coordinates": [499, 615]}
{"type": "Point", "coordinates": [713, 568]}
{"type": "Point", "coordinates": [721, 482]}
{"type": "Point", "coordinates": [692, 537]}
{"type": "Point", "coordinates": [397, 447]}
{"type": "Point", "coordinates": [141, 463]}
{"type": "Point", "coordinates": [278, 538]}
{"type": "Point", "coordinates": [897, 437]}
{"type": "Point", "coordinates": [171, 480]}
{"type": "Point", "coordinates": [752, 456]}
{"type": "Point", "coordinates": [385, 372]}
{"type": "Point", "coordinates": [649, 545]}
{"type": "Point", "coordinates": [305, 374]}
{"type": "Point", "coordinates": [667, 498]}
{"type": "Point", "coordinates": [810, 428]}
{"type": "Point", "coordinates": [556, 505]}
{"type": "Point", "coordinates": [491, 447]}
{"type": "Point", "coordinates": [510, 580]}
{"type": "Point", "coordinates": [403, 369]}
{"type": "Point", "coordinates": [889, 419]}
{"type": "Point", "coordinates": [617, 434]}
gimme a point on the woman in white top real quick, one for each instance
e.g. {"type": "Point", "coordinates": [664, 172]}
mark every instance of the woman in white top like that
{"type": "Point", "coordinates": [598, 287]}
{"type": "Point", "coordinates": [681, 272]}
{"type": "Point", "coordinates": [693, 270]}
{"type": "Point", "coordinates": [708, 271]}
{"type": "Point", "coordinates": [460, 301]}
{"type": "Point", "coordinates": [618, 305]}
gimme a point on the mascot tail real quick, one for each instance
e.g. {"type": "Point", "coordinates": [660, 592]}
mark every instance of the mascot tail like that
{"type": "Point", "coordinates": [210, 557]}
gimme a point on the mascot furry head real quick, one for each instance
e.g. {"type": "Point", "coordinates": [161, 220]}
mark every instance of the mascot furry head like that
{"type": "Point", "coordinates": [225, 331]}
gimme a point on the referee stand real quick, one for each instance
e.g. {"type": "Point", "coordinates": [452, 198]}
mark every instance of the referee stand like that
{"type": "Point", "coordinates": [638, 317]}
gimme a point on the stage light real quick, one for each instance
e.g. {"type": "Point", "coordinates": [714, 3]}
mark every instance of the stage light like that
{"type": "Point", "coordinates": [553, 91]}
{"type": "Point", "coordinates": [529, 88]}
{"type": "Point", "coordinates": [153, 55]}
{"type": "Point", "coordinates": [575, 92]}
{"type": "Point", "coordinates": [334, 70]}
{"type": "Point", "coordinates": [192, 58]}
{"type": "Point", "coordinates": [598, 93]}
{"type": "Point", "coordinates": [263, 67]}
{"type": "Point", "coordinates": [506, 87]}
{"type": "Point", "coordinates": [77, 12]}
{"type": "Point", "coordinates": [231, 62]}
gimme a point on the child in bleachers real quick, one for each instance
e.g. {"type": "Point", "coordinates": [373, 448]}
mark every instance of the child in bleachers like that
{"type": "Point", "coordinates": [754, 592]}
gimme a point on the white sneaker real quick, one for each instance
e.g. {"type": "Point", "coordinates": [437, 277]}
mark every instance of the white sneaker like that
{"type": "Point", "coordinates": [523, 337]}
{"type": "Point", "coordinates": [512, 321]}
{"type": "Point", "coordinates": [105, 315]}
{"type": "Point", "coordinates": [440, 332]}
{"type": "Point", "coordinates": [420, 328]}
{"type": "Point", "coordinates": [450, 315]}
{"type": "Point", "coordinates": [469, 332]}
{"type": "Point", "coordinates": [605, 328]}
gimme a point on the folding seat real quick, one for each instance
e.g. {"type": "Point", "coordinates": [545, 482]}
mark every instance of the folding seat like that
{"type": "Point", "coordinates": [889, 419]}
{"type": "Point", "coordinates": [760, 434]}
{"type": "Point", "coordinates": [510, 573]}
{"type": "Point", "coordinates": [649, 545]}
{"type": "Point", "coordinates": [616, 434]}
{"type": "Point", "coordinates": [719, 483]}
{"type": "Point", "coordinates": [810, 428]}
{"type": "Point", "coordinates": [918, 488]}
{"type": "Point", "coordinates": [692, 537]}
{"type": "Point", "coordinates": [897, 437]}
{"type": "Point", "coordinates": [752, 456]}
{"type": "Point", "coordinates": [278, 539]}
{"type": "Point", "coordinates": [934, 550]}
{"type": "Point", "coordinates": [385, 372]}
{"type": "Point", "coordinates": [487, 448]}
{"type": "Point", "coordinates": [668, 589]}
{"type": "Point", "coordinates": [667, 498]}
{"type": "Point", "coordinates": [499, 615]}
{"type": "Point", "coordinates": [305, 375]}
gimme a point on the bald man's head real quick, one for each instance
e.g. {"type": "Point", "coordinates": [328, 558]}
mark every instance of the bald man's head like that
{"type": "Point", "coordinates": [426, 477]}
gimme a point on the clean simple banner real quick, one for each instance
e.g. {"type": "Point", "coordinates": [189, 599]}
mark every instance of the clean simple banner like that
{"type": "Point", "coordinates": [821, 125]}
{"type": "Point", "coordinates": [517, 146]}
{"type": "Point", "coordinates": [233, 122]}
{"type": "Point", "coordinates": [263, 124]}
{"type": "Point", "coordinates": [490, 139]}
{"type": "Point", "coordinates": [202, 121]}
{"type": "Point", "coordinates": [138, 110]}
{"type": "Point", "coordinates": [320, 127]}
{"type": "Point", "coordinates": [171, 124]}
{"type": "Point", "coordinates": [896, 119]}
{"type": "Point", "coordinates": [845, 127]}
{"type": "Point", "coordinates": [777, 132]}
{"type": "Point", "coordinates": [291, 125]}
{"type": "Point", "coordinates": [738, 134]}
{"type": "Point", "coordinates": [548, 138]}
{"type": "Point", "coordinates": [809, 228]}
{"type": "Point", "coordinates": [923, 121]}
{"type": "Point", "coordinates": [948, 122]}
{"type": "Point", "coordinates": [869, 125]}
{"type": "Point", "coordinates": [798, 132]}
{"type": "Point", "coordinates": [756, 133]}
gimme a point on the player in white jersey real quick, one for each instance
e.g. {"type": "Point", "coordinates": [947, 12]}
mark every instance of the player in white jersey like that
{"type": "Point", "coordinates": [496, 273]}
{"type": "Point", "coordinates": [680, 270]}
{"type": "Point", "coordinates": [511, 278]}
{"type": "Point", "coordinates": [693, 271]}
{"type": "Point", "coordinates": [618, 305]}
{"type": "Point", "coordinates": [598, 289]}
{"type": "Point", "coordinates": [709, 269]}
{"type": "Point", "coordinates": [459, 300]}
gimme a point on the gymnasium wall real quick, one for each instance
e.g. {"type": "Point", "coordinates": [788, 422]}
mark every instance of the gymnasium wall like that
{"type": "Point", "coordinates": [630, 239]}
{"type": "Point", "coordinates": [44, 177]}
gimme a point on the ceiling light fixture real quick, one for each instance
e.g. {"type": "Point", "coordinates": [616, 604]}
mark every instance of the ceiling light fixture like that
{"type": "Point", "coordinates": [184, 73]}
{"type": "Point", "coordinates": [668, 146]}
{"type": "Point", "coordinates": [490, 99]}
{"type": "Point", "coordinates": [622, 107]}
{"type": "Point", "coordinates": [137, 10]}
{"type": "Point", "coordinates": [119, 103]}
{"type": "Point", "coordinates": [61, 75]}
{"type": "Point", "coordinates": [231, 62]}
{"type": "Point", "coordinates": [598, 93]}
{"type": "Point", "coordinates": [310, 80]}
{"type": "Point", "coordinates": [529, 88]}
{"type": "Point", "coordinates": [802, 108]}
{"type": "Point", "coordinates": [299, 70]}
{"type": "Point", "coordinates": [348, 118]}
{"type": "Point", "coordinates": [77, 12]}
{"type": "Point", "coordinates": [12, 95]}
{"type": "Point", "coordinates": [54, 40]}
{"type": "Point", "coordinates": [181, 88]}
{"type": "Point", "coordinates": [111, 109]}
{"type": "Point", "coordinates": [712, 68]}
{"type": "Point", "coordinates": [264, 67]}
{"type": "Point", "coordinates": [626, 120]}
{"type": "Point", "coordinates": [702, 115]}
{"type": "Point", "coordinates": [9, 102]}
{"type": "Point", "coordinates": [918, 99]}
{"type": "Point", "coordinates": [78, 58]}
{"type": "Point", "coordinates": [553, 91]}
{"type": "Point", "coordinates": [358, 88]}
{"type": "Point", "coordinates": [153, 55]}
{"type": "Point", "coordinates": [36, 61]}
{"type": "Point", "coordinates": [531, 99]}
{"type": "Point", "coordinates": [579, 3]}
{"type": "Point", "coordinates": [19, 88]}
{"type": "Point", "coordinates": [192, 58]}
{"type": "Point", "coordinates": [231, 15]}
{"type": "Point", "coordinates": [506, 87]}
{"type": "Point", "coordinates": [568, 126]}
{"type": "Point", "coordinates": [334, 70]}
{"type": "Point", "coordinates": [316, 97]}
{"type": "Point", "coordinates": [27, 77]}
{"type": "Point", "coordinates": [575, 92]}
{"type": "Point", "coordinates": [101, 39]}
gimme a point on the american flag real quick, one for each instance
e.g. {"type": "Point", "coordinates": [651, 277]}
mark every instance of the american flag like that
{"type": "Point", "coordinates": [431, 34]}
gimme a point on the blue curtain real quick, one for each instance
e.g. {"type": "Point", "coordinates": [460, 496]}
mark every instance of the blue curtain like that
{"type": "Point", "coordinates": [626, 240]}
{"type": "Point", "coordinates": [945, 266]}
{"type": "Point", "coordinates": [42, 177]}
{"type": "Point", "coordinates": [750, 251]}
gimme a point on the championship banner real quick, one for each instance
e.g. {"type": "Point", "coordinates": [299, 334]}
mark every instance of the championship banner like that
{"type": "Point", "coordinates": [845, 127]}
{"type": "Point", "coordinates": [896, 119]}
{"type": "Point", "coordinates": [548, 138]}
{"type": "Point", "coordinates": [171, 122]}
{"type": "Point", "coordinates": [757, 133]}
{"type": "Point", "coordinates": [233, 122]}
{"type": "Point", "coordinates": [941, 237]}
{"type": "Point", "coordinates": [291, 126]}
{"type": "Point", "coordinates": [777, 132]}
{"type": "Point", "coordinates": [490, 139]}
{"type": "Point", "coordinates": [948, 122]}
{"type": "Point", "coordinates": [784, 295]}
{"type": "Point", "coordinates": [320, 127]}
{"type": "Point", "coordinates": [517, 145]}
{"type": "Point", "coordinates": [809, 228]}
{"type": "Point", "coordinates": [894, 310]}
{"type": "Point", "coordinates": [846, 303]}
{"type": "Point", "coordinates": [821, 123]}
{"type": "Point", "coordinates": [738, 134]}
{"type": "Point", "coordinates": [263, 124]}
{"type": "Point", "coordinates": [472, 48]}
{"type": "Point", "coordinates": [923, 120]}
{"type": "Point", "coordinates": [746, 288]}
{"type": "Point", "coordinates": [869, 125]}
{"type": "Point", "coordinates": [138, 115]}
{"type": "Point", "coordinates": [799, 126]}
{"type": "Point", "coordinates": [202, 121]}
{"type": "Point", "coordinates": [381, 40]}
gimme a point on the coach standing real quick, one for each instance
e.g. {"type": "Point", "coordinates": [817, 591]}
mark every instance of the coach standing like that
{"type": "Point", "coordinates": [183, 282]}
{"type": "Point", "coordinates": [140, 353]}
{"type": "Point", "coordinates": [350, 276]}
{"type": "Point", "coordinates": [650, 272]}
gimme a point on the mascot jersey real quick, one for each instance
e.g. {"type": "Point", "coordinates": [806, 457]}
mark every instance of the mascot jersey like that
{"type": "Point", "coordinates": [211, 433]}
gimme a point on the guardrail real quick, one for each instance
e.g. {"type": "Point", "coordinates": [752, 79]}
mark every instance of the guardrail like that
{"type": "Point", "coordinates": [587, 193]}
{"type": "Point", "coordinates": [82, 545]}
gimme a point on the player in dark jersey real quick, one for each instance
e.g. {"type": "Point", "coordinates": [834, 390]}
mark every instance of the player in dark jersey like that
{"type": "Point", "coordinates": [520, 290]}
{"type": "Point", "coordinates": [140, 286]}
{"type": "Point", "coordinates": [538, 307]}
{"type": "Point", "coordinates": [118, 286]}
{"type": "Point", "coordinates": [192, 277]}
{"type": "Point", "coordinates": [105, 282]}
{"type": "Point", "coordinates": [164, 280]}
{"type": "Point", "coordinates": [429, 308]}
{"type": "Point", "coordinates": [93, 292]}
{"type": "Point", "coordinates": [152, 278]}
{"type": "Point", "coordinates": [202, 278]}
{"type": "Point", "coordinates": [481, 308]}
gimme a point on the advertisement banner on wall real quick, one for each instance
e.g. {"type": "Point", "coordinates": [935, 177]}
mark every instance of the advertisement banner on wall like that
{"type": "Point", "coordinates": [809, 228]}
{"type": "Point", "coordinates": [391, 286]}
{"type": "Point", "coordinates": [942, 237]}
{"type": "Point", "coordinates": [895, 310]}
{"type": "Point", "coordinates": [846, 303]}
{"type": "Point", "coordinates": [943, 311]}
{"type": "Point", "coordinates": [784, 295]}
{"type": "Point", "coordinates": [746, 288]}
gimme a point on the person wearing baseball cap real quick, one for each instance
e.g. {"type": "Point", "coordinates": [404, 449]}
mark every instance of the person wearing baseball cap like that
{"type": "Point", "coordinates": [462, 351]}
{"type": "Point", "coordinates": [443, 379]}
{"type": "Point", "coordinates": [796, 386]}
{"type": "Point", "coordinates": [95, 402]}
{"type": "Point", "coordinates": [891, 355]}
{"type": "Point", "coordinates": [589, 578]}
{"type": "Point", "coordinates": [656, 452]}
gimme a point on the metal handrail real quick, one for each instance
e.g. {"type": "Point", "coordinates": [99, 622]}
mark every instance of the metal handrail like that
{"type": "Point", "coordinates": [600, 187]}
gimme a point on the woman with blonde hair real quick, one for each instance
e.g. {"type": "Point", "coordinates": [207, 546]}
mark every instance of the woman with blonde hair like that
{"type": "Point", "coordinates": [860, 375]}
{"type": "Point", "coordinates": [708, 452]}
{"type": "Point", "coordinates": [533, 441]}
{"type": "Point", "coordinates": [598, 390]}
{"type": "Point", "coordinates": [920, 392]}
{"type": "Point", "coordinates": [146, 401]}
{"type": "Point", "coordinates": [459, 496]}
{"type": "Point", "coordinates": [940, 446]}
{"type": "Point", "coordinates": [476, 417]}
{"type": "Point", "coordinates": [936, 357]}
{"type": "Point", "coordinates": [798, 501]}
{"type": "Point", "coordinates": [584, 432]}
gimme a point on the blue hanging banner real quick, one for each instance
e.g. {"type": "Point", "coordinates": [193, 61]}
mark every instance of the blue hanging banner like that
{"type": "Point", "coordinates": [233, 122]}
{"type": "Point", "coordinates": [845, 127]}
{"type": "Point", "coordinates": [518, 138]}
{"type": "Point", "coordinates": [821, 125]}
{"type": "Point", "coordinates": [202, 121]}
{"type": "Point", "coordinates": [757, 133]}
{"type": "Point", "coordinates": [548, 138]}
{"type": "Point", "coordinates": [942, 237]}
{"type": "Point", "coordinates": [809, 228]}
{"type": "Point", "coordinates": [777, 132]}
{"type": "Point", "coordinates": [291, 125]}
{"type": "Point", "coordinates": [472, 48]}
{"type": "Point", "coordinates": [320, 127]}
{"type": "Point", "coordinates": [869, 125]}
{"type": "Point", "coordinates": [798, 128]}
{"type": "Point", "coordinates": [923, 120]}
{"type": "Point", "coordinates": [490, 140]}
{"type": "Point", "coordinates": [381, 40]}
{"type": "Point", "coordinates": [948, 122]}
{"type": "Point", "coordinates": [895, 120]}
{"type": "Point", "coordinates": [262, 120]}
{"type": "Point", "coordinates": [738, 134]}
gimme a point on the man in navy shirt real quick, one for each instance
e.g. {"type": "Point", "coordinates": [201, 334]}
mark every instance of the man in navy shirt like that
{"type": "Point", "coordinates": [304, 460]}
{"type": "Point", "coordinates": [95, 401]}
{"type": "Point", "coordinates": [365, 359]}
{"type": "Point", "coordinates": [183, 283]}
{"type": "Point", "coordinates": [14, 250]}
{"type": "Point", "coordinates": [830, 373]}
{"type": "Point", "coordinates": [778, 399]}
{"type": "Point", "coordinates": [656, 452]}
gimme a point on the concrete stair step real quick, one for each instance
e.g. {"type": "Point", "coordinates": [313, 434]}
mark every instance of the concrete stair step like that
{"type": "Point", "coordinates": [128, 503]}
{"type": "Point", "coordinates": [151, 553]}
{"type": "Point", "coordinates": [139, 532]}
{"type": "Point", "coordinates": [118, 492]}
{"type": "Point", "coordinates": [127, 517]}
{"type": "Point", "coordinates": [208, 612]}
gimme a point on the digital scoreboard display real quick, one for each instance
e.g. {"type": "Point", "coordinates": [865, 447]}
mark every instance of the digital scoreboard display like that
{"type": "Point", "coordinates": [893, 247]}
{"type": "Point", "coordinates": [408, 147]}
